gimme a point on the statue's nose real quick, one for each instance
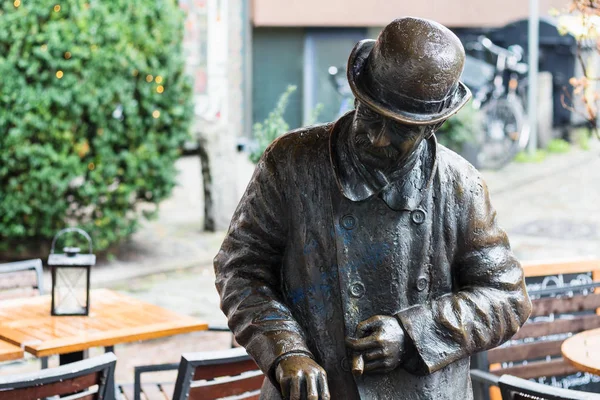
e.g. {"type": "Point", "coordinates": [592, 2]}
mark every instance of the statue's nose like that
{"type": "Point", "coordinates": [379, 139]}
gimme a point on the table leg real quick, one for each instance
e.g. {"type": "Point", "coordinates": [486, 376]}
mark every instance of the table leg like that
{"type": "Point", "coordinates": [69, 358]}
{"type": "Point", "coordinates": [72, 357]}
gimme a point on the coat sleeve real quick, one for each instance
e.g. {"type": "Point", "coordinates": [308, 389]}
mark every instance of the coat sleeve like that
{"type": "Point", "coordinates": [248, 268]}
{"type": "Point", "coordinates": [489, 301]}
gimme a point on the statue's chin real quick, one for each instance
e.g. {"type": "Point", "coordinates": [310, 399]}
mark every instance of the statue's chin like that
{"type": "Point", "coordinates": [384, 153]}
{"type": "Point", "coordinates": [382, 157]}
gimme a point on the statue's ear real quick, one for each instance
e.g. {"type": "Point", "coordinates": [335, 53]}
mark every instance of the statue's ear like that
{"type": "Point", "coordinates": [431, 129]}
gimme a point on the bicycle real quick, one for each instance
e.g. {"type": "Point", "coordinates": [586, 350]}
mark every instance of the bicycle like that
{"type": "Point", "coordinates": [500, 99]}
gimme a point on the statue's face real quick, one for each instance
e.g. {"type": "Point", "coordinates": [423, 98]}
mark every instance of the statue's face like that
{"type": "Point", "coordinates": [383, 138]}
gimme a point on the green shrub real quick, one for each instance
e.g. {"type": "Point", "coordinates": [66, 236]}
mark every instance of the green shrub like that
{"type": "Point", "coordinates": [526, 157]}
{"type": "Point", "coordinates": [272, 127]}
{"type": "Point", "coordinates": [94, 107]}
{"type": "Point", "coordinates": [460, 129]}
{"type": "Point", "coordinates": [558, 146]}
{"type": "Point", "coordinates": [582, 138]}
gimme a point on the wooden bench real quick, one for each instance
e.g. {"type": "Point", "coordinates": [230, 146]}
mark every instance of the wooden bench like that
{"type": "Point", "coordinates": [557, 312]}
{"type": "Point", "coordinates": [91, 379]}
{"type": "Point", "coordinates": [202, 376]}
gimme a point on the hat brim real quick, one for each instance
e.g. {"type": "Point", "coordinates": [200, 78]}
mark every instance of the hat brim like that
{"type": "Point", "coordinates": [363, 93]}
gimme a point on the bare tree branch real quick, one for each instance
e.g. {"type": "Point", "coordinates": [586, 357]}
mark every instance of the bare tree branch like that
{"type": "Point", "coordinates": [585, 9]}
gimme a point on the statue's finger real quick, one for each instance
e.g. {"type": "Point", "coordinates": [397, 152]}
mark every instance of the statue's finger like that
{"type": "Point", "coordinates": [284, 386]}
{"type": "Point", "coordinates": [374, 354]}
{"type": "Point", "coordinates": [364, 327]}
{"type": "Point", "coordinates": [375, 365]}
{"type": "Point", "coordinates": [324, 387]}
{"type": "Point", "coordinates": [362, 344]}
{"type": "Point", "coordinates": [296, 387]}
{"type": "Point", "coordinates": [312, 387]}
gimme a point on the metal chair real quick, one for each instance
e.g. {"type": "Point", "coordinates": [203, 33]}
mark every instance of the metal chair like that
{"type": "Point", "coordinates": [160, 389]}
{"type": "Point", "coordinates": [572, 309]}
{"type": "Point", "coordinates": [22, 279]}
{"type": "Point", "coordinates": [238, 375]}
{"type": "Point", "coordinates": [17, 282]}
{"type": "Point", "coordinates": [91, 379]}
{"type": "Point", "coordinates": [513, 388]}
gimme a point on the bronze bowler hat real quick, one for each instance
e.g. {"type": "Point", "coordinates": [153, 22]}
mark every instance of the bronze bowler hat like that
{"type": "Point", "coordinates": [411, 72]}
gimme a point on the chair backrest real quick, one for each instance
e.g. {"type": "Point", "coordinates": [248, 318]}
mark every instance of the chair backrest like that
{"type": "Point", "coordinates": [21, 279]}
{"type": "Point", "coordinates": [91, 379]}
{"type": "Point", "coordinates": [216, 375]}
{"type": "Point", "coordinates": [556, 313]}
{"type": "Point", "coordinates": [513, 388]}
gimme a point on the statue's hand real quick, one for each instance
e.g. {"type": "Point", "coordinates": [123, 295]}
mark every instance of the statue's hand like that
{"type": "Point", "coordinates": [301, 378]}
{"type": "Point", "coordinates": [380, 343]}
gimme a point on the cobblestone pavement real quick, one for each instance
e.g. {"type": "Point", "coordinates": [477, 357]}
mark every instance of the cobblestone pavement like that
{"type": "Point", "coordinates": [551, 210]}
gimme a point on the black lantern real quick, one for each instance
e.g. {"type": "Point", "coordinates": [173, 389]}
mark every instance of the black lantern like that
{"type": "Point", "coordinates": [71, 277]}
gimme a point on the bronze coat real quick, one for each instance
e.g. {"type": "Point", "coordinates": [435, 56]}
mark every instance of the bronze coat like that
{"type": "Point", "coordinates": [313, 249]}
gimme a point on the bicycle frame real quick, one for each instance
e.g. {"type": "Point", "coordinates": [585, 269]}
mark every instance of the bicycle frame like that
{"type": "Point", "coordinates": [508, 68]}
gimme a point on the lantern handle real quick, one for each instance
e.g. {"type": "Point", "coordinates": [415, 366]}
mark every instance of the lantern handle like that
{"type": "Point", "coordinates": [66, 230]}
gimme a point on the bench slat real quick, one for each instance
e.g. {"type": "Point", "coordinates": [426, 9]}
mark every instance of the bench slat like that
{"type": "Point", "coordinates": [255, 395]}
{"type": "Point", "coordinates": [578, 324]}
{"type": "Point", "coordinates": [226, 387]}
{"type": "Point", "coordinates": [224, 369]}
{"type": "Point", "coordinates": [562, 305]}
{"type": "Point", "coordinates": [557, 367]}
{"type": "Point", "coordinates": [525, 351]}
{"type": "Point", "coordinates": [65, 387]}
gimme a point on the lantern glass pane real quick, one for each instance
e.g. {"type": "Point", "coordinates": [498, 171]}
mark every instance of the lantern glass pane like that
{"type": "Point", "coordinates": [70, 291]}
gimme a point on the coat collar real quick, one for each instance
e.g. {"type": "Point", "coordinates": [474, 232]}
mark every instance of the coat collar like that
{"type": "Point", "coordinates": [401, 190]}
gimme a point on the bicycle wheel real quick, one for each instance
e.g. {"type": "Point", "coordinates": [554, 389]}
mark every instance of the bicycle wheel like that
{"type": "Point", "coordinates": [501, 134]}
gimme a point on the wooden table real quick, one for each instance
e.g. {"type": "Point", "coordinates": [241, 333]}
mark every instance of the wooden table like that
{"type": "Point", "coordinates": [10, 352]}
{"type": "Point", "coordinates": [114, 318]}
{"type": "Point", "coordinates": [583, 351]}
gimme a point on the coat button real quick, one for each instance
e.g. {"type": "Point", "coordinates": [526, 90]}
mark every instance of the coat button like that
{"type": "Point", "coordinates": [348, 222]}
{"type": "Point", "coordinates": [421, 283]}
{"type": "Point", "coordinates": [418, 216]}
{"type": "Point", "coordinates": [345, 364]}
{"type": "Point", "coordinates": [357, 289]}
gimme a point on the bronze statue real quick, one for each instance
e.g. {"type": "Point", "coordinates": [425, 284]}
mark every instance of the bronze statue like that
{"type": "Point", "coordinates": [364, 260]}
